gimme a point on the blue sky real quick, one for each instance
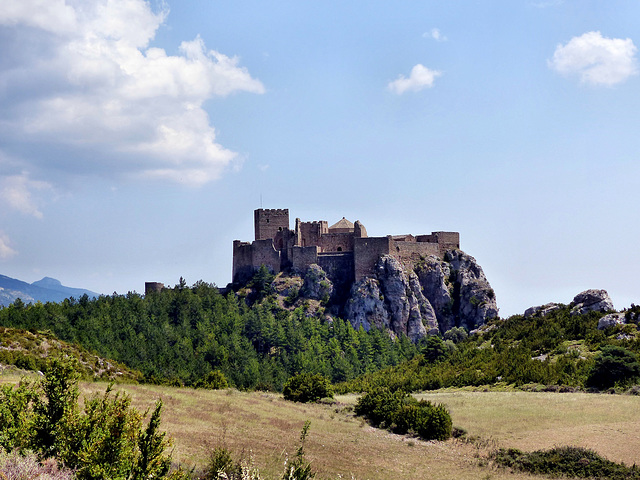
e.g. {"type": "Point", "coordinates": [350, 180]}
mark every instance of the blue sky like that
{"type": "Point", "coordinates": [137, 138]}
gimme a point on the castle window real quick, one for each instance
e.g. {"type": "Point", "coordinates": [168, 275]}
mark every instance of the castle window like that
{"type": "Point", "coordinates": [279, 229]}
{"type": "Point", "coordinates": [339, 249]}
{"type": "Point", "coordinates": [267, 220]}
{"type": "Point", "coordinates": [398, 249]}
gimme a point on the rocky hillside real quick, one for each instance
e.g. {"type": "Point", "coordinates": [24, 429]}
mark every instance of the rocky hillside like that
{"type": "Point", "coordinates": [29, 350]}
{"type": "Point", "coordinates": [430, 297]}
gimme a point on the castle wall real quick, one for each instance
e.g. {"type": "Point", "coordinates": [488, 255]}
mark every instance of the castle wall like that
{"type": "Point", "coordinates": [264, 253]}
{"type": "Point", "coordinates": [448, 241]}
{"type": "Point", "coordinates": [242, 261]}
{"type": "Point", "coordinates": [310, 233]}
{"type": "Point", "coordinates": [409, 253]}
{"type": "Point", "coordinates": [366, 252]}
{"type": "Point", "coordinates": [337, 242]}
{"type": "Point", "coordinates": [445, 240]}
{"type": "Point", "coordinates": [152, 287]}
{"type": "Point", "coordinates": [248, 257]}
{"type": "Point", "coordinates": [268, 222]}
{"type": "Point", "coordinates": [302, 257]}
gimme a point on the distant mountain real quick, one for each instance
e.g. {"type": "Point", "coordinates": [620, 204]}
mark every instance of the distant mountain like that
{"type": "Point", "coordinates": [46, 290]}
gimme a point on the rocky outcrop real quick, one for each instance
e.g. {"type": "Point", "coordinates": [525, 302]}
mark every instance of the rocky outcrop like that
{"type": "Point", "coordinates": [316, 284]}
{"type": "Point", "coordinates": [592, 301]}
{"type": "Point", "coordinates": [542, 310]}
{"type": "Point", "coordinates": [610, 320]}
{"type": "Point", "coordinates": [435, 296]}
{"type": "Point", "coordinates": [393, 301]}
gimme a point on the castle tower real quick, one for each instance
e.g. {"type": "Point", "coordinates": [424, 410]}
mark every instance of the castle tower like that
{"type": "Point", "coordinates": [268, 222]}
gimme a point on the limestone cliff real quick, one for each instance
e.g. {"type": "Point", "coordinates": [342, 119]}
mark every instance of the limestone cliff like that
{"type": "Point", "coordinates": [433, 296]}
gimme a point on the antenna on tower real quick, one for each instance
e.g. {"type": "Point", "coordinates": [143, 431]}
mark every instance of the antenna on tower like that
{"type": "Point", "coordinates": [261, 200]}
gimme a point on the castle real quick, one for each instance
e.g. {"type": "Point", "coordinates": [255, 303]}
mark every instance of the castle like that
{"type": "Point", "coordinates": [343, 251]}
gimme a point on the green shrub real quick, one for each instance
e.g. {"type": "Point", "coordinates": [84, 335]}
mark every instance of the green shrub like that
{"type": "Point", "coordinates": [307, 387]}
{"type": "Point", "coordinates": [404, 414]}
{"type": "Point", "coordinates": [614, 366]}
{"type": "Point", "coordinates": [380, 405]}
{"type": "Point", "coordinates": [105, 441]}
{"type": "Point", "coordinates": [214, 380]}
{"type": "Point", "coordinates": [565, 461]}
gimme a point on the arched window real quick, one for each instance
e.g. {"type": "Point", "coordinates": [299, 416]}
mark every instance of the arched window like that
{"type": "Point", "coordinates": [339, 249]}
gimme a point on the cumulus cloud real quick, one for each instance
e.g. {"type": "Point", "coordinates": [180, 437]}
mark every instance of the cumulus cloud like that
{"type": "Point", "coordinates": [595, 59]}
{"type": "Point", "coordinates": [5, 250]}
{"type": "Point", "coordinates": [435, 34]}
{"type": "Point", "coordinates": [421, 77]}
{"type": "Point", "coordinates": [83, 78]}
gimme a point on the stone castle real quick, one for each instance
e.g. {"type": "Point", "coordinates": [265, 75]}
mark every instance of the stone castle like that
{"type": "Point", "coordinates": [344, 250]}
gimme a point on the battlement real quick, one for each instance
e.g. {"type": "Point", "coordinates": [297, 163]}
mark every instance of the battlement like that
{"type": "Point", "coordinates": [343, 248]}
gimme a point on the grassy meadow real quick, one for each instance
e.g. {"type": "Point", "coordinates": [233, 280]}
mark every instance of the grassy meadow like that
{"type": "Point", "coordinates": [267, 427]}
{"type": "Point", "coordinates": [340, 445]}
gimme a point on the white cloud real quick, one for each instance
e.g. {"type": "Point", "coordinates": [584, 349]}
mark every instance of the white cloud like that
{"type": "Point", "coordinates": [597, 60]}
{"type": "Point", "coordinates": [88, 82]}
{"type": "Point", "coordinates": [16, 194]}
{"type": "Point", "coordinates": [435, 34]}
{"type": "Point", "coordinates": [421, 77]}
{"type": "Point", "coordinates": [5, 250]}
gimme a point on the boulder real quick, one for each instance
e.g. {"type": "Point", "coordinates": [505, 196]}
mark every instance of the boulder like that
{"type": "Point", "coordinates": [610, 320]}
{"type": "Point", "coordinates": [592, 301]}
{"type": "Point", "coordinates": [541, 310]}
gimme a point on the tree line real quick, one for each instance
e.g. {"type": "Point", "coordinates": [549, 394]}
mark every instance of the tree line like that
{"type": "Point", "coordinates": [182, 334]}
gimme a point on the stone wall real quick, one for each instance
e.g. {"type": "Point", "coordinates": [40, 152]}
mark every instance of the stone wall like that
{"type": "Point", "coordinates": [152, 287]}
{"type": "Point", "coordinates": [409, 253]}
{"type": "Point", "coordinates": [248, 257]}
{"type": "Point", "coordinates": [366, 252]}
{"type": "Point", "coordinates": [310, 233]}
{"type": "Point", "coordinates": [302, 257]}
{"type": "Point", "coordinates": [242, 261]}
{"type": "Point", "coordinates": [269, 222]}
{"type": "Point", "coordinates": [445, 240]}
{"type": "Point", "coordinates": [337, 242]}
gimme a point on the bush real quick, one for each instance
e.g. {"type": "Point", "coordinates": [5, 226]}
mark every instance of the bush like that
{"type": "Point", "coordinates": [614, 366]}
{"type": "Point", "coordinates": [380, 406]}
{"type": "Point", "coordinates": [307, 387]}
{"type": "Point", "coordinates": [105, 441]}
{"type": "Point", "coordinates": [404, 414]}
{"type": "Point", "coordinates": [214, 380]}
{"type": "Point", "coordinates": [565, 461]}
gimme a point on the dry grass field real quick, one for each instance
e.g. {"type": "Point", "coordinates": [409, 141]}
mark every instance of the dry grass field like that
{"type": "Point", "coordinates": [339, 445]}
{"type": "Point", "coordinates": [608, 424]}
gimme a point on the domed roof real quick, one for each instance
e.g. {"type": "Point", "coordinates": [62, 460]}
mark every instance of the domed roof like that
{"type": "Point", "coordinates": [342, 224]}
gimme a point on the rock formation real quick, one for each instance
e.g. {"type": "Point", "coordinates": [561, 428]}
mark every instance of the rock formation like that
{"type": "Point", "coordinates": [610, 320]}
{"type": "Point", "coordinates": [316, 284]}
{"type": "Point", "coordinates": [541, 310]}
{"type": "Point", "coordinates": [592, 301]}
{"type": "Point", "coordinates": [433, 296]}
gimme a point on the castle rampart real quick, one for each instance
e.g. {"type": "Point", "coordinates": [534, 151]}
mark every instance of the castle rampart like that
{"type": "Point", "coordinates": [343, 250]}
